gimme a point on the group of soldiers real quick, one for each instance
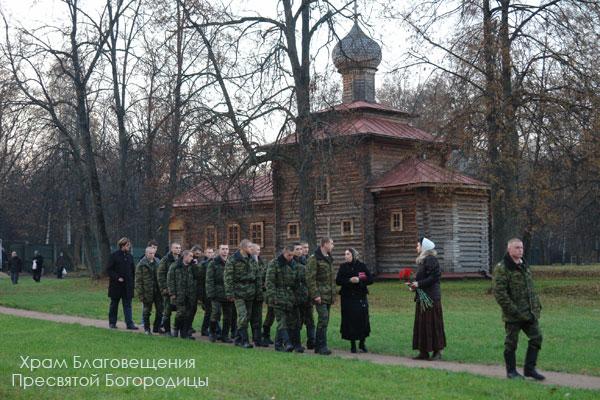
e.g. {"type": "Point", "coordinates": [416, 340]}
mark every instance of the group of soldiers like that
{"type": "Point", "coordinates": [232, 289]}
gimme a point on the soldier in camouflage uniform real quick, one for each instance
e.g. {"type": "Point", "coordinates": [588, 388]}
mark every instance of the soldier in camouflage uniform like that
{"type": "Point", "coordinates": [241, 287]}
{"type": "Point", "coordinates": [514, 292]}
{"type": "Point", "coordinates": [282, 280]}
{"type": "Point", "coordinates": [196, 270]}
{"type": "Point", "coordinates": [320, 278]}
{"type": "Point", "coordinates": [204, 302]}
{"type": "Point", "coordinates": [182, 292]}
{"type": "Point", "coordinates": [306, 309]}
{"type": "Point", "coordinates": [302, 298]}
{"type": "Point", "coordinates": [163, 268]}
{"type": "Point", "coordinates": [146, 288]}
{"type": "Point", "coordinates": [257, 306]}
{"type": "Point", "coordinates": [215, 292]}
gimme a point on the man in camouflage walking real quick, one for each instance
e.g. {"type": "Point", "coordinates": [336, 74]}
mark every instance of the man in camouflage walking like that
{"type": "Point", "coordinates": [146, 288]}
{"type": "Point", "coordinates": [320, 279]}
{"type": "Point", "coordinates": [282, 280]}
{"type": "Point", "coordinates": [163, 269]}
{"type": "Point", "coordinates": [215, 292]}
{"type": "Point", "coordinates": [240, 286]}
{"type": "Point", "coordinates": [514, 292]}
{"type": "Point", "coordinates": [182, 292]}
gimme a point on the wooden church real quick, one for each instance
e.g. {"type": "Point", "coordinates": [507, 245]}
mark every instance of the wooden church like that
{"type": "Point", "coordinates": [380, 184]}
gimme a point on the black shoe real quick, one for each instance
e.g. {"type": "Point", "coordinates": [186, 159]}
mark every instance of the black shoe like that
{"type": "Point", "coordinates": [157, 329]}
{"type": "Point", "coordinates": [510, 359]}
{"type": "Point", "coordinates": [132, 327]}
{"type": "Point", "coordinates": [147, 332]}
{"type": "Point", "coordinates": [321, 347]}
{"type": "Point", "coordinates": [362, 346]}
{"type": "Point", "coordinates": [422, 356]}
{"type": "Point", "coordinates": [530, 361]}
{"type": "Point", "coordinates": [244, 343]}
{"type": "Point", "coordinates": [514, 375]}
{"type": "Point", "coordinates": [436, 356]}
{"type": "Point", "coordinates": [112, 326]}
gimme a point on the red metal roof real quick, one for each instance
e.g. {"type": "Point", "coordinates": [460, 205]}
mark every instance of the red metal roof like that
{"type": "Point", "coordinates": [364, 105]}
{"type": "Point", "coordinates": [255, 189]}
{"type": "Point", "coordinates": [423, 172]}
{"type": "Point", "coordinates": [367, 125]}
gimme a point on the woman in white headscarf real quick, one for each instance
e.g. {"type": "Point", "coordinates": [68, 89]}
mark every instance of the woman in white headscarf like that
{"type": "Point", "coordinates": [428, 331]}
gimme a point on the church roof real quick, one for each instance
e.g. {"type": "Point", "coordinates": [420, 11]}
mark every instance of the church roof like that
{"type": "Point", "coordinates": [257, 189]}
{"type": "Point", "coordinates": [415, 172]}
{"type": "Point", "coordinates": [365, 122]}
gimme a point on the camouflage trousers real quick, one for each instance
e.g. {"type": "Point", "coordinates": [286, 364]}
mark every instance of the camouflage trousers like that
{"type": "Point", "coordinates": [256, 316]}
{"type": "Point", "coordinates": [530, 328]}
{"type": "Point", "coordinates": [322, 315]}
{"type": "Point", "coordinates": [244, 313]}
{"type": "Point", "coordinates": [147, 312]}
{"type": "Point", "coordinates": [269, 319]}
{"type": "Point", "coordinates": [287, 318]}
{"type": "Point", "coordinates": [226, 308]}
{"type": "Point", "coordinates": [306, 316]}
{"type": "Point", "coordinates": [167, 307]}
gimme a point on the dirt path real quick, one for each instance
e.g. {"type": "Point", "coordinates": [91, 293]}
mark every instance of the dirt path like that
{"type": "Point", "coordinates": [495, 371]}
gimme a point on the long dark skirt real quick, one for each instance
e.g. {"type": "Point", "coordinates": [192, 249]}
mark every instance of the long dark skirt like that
{"type": "Point", "coordinates": [428, 331]}
{"type": "Point", "coordinates": [355, 318]}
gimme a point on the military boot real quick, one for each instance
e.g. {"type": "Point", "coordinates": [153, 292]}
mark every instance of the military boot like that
{"type": "Point", "coordinates": [147, 330]}
{"type": "Point", "coordinates": [287, 344]}
{"type": "Point", "coordinates": [212, 331]}
{"type": "Point", "coordinates": [166, 325]}
{"type": "Point", "coordinates": [296, 341]}
{"type": "Point", "coordinates": [257, 338]}
{"type": "Point", "coordinates": [267, 336]}
{"type": "Point", "coordinates": [530, 362]}
{"type": "Point", "coordinates": [322, 340]}
{"type": "Point", "coordinates": [510, 359]}
{"type": "Point", "coordinates": [310, 338]}
{"type": "Point", "coordinates": [244, 342]}
{"type": "Point", "coordinates": [279, 342]}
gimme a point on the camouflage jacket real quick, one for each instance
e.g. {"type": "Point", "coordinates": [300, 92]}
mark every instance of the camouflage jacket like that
{"type": "Point", "coordinates": [181, 282]}
{"type": "Point", "coordinates": [282, 279]}
{"type": "Point", "coordinates": [514, 291]}
{"type": "Point", "coordinates": [163, 270]}
{"type": "Point", "coordinates": [215, 286]}
{"type": "Point", "coordinates": [240, 277]}
{"type": "Point", "coordinates": [320, 277]}
{"type": "Point", "coordinates": [146, 282]}
{"type": "Point", "coordinates": [302, 287]}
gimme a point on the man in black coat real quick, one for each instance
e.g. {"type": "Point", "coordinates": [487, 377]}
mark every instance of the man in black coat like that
{"type": "Point", "coordinates": [39, 266]}
{"type": "Point", "coordinates": [15, 265]}
{"type": "Point", "coordinates": [121, 271]}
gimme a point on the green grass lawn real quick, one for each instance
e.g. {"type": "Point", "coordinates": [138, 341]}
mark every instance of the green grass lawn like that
{"type": "Point", "coordinates": [234, 373]}
{"type": "Point", "coordinates": [570, 316]}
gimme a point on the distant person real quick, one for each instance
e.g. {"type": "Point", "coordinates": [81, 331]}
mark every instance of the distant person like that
{"type": "Point", "coordinates": [182, 289]}
{"type": "Point", "coordinates": [320, 279]}
{"type": "Point", "coordinates": [209, 253]}
{"type": "Point", "coordinates": [163, 269]}
{"type": "Point", "coordinates": [15, 266]}
{"type": "Point", "coordinates": [153, 243]}
{"type": "Point", "coordinates": [38, 266]}
{"type": "Point", "coordinates": [60, 266]}
{"type": "Point", "coordinates": [215, 292]}
{"type": "Point", "coordinates": [514, 292]}
{"type": "Point", "coordinates": [146, 287]}
{"type": "Point", "coordinates": [121, 271]}
{"type": "Point", "coordinates": [354, 277]}
{"type": "Point", "coordinates": [428, 331]}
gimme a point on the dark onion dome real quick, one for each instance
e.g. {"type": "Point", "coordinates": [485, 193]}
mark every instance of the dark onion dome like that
{"type": "Point", "coordinates": [356, 50]}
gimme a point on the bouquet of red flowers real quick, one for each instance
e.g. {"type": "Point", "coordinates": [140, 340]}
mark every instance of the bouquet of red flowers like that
{"type": "Point", "coordinates": [425, 301]}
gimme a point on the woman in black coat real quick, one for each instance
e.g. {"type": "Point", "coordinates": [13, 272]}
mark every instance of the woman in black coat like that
{"type": "Point", "coordinates": [428, 331]}
{"type": "Point", "coordinates": [121, 272]}
{"type": "Point", "coordinates": [354, 276]}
